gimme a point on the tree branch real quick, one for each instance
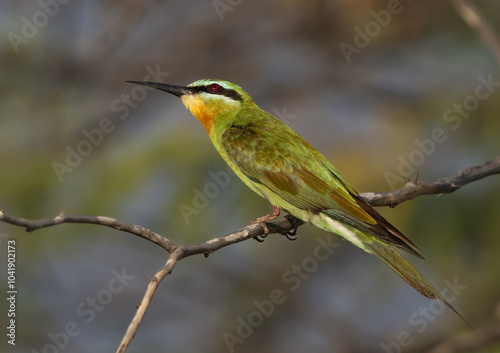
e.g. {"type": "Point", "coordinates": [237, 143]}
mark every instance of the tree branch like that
{"type": "Point", "coordinates": [177, 252]}
{"type": "Point", "coordinates": [63, 217]}
{"type": "Point", "coordinates": [146, 300]}
{"type": "Point", "coordinates": [414, 188]}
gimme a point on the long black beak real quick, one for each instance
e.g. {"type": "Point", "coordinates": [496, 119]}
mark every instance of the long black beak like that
{"type": "Point", "coordinates": [175, 90]}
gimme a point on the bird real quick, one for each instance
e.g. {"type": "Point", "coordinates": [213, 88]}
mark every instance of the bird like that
{"type": "Point", "coordinates": [278, 164]}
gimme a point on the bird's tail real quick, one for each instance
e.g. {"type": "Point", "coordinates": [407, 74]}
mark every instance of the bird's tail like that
{"type": "Point", "coordinates": [403, 268]}
{"type": "Point", "coordinates": [406, 271]}
{"type": "Point", "coordinates": [386, 252]}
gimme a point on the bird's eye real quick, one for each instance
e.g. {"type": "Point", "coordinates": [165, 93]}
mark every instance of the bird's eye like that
{"type": "Point", "coordinates": [214, 87]}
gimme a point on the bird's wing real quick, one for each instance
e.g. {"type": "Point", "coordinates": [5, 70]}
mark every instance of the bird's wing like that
{"type": "Point", "coordinates": [276, 157]}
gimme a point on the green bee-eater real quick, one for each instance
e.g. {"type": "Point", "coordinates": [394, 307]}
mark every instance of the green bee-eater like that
{"type": "Point", "coordinates": [279, 165]}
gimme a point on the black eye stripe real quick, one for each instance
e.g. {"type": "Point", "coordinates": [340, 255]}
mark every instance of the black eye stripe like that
{"type": "Point", "coordinates": [231, 93]}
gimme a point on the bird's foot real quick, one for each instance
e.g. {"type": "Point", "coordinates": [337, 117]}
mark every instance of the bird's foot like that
{"type": "Point", "coordinates": [262, 221]}
{"type": "Point", "coordinates": [294, 221]}
{"type": "Point", "coordinates": [261, 238]}
{"type": "Point", "coordinates": [291, 237]}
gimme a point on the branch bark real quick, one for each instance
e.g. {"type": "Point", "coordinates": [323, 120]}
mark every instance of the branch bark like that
{"type": "Point", "coordinates": [177, 252]}
{"type": "Point", "coordinates": [414, 188]}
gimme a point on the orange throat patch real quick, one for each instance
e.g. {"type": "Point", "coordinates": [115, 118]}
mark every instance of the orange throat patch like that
{"type": "Point", "coordinates": [198, 109]}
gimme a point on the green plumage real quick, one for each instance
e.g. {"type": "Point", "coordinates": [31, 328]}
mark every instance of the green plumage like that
{"type": "Point", "coordinates": [278, 164]}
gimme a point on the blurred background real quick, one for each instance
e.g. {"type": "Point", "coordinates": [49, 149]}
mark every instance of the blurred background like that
{"type": "Point", "coordinates": [368, 83]}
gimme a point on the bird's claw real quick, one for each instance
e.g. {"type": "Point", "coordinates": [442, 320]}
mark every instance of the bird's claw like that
{"type": "Point", "coordinates": [261, 220]}
{"type": "Point", "coordinates": [261, 238]}
{"type": "Point", "coordinates": [292, 234]}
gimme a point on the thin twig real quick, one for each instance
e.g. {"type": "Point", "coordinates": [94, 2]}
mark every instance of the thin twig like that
{"type": "Point", "coordinates": [486, 336]}
{"type": "Point", "coordinates": [446, 185]}
{"type": "Point", "coordinates": [473, 17]}
{"type": "Point", "coordinates": [177, 252]}
{"type": "Point", "coordinates": [146, 300]}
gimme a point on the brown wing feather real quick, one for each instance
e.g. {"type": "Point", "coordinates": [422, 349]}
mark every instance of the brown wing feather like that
{"type": "Point", "coordinates": [382, 228]}
{"type": "Point", "coordinates": [387, 232]}
{"type": "Point", "coordinates": [280, 168]}
{"type": "Point", "coordinates": [282, 181]}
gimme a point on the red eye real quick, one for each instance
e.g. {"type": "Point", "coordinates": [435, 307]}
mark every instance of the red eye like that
{"type": "Point", "coordinates": [214, 87]}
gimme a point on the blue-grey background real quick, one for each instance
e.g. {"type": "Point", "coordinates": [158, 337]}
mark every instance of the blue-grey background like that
{"type": "Point", "coordinates": [63, 69]}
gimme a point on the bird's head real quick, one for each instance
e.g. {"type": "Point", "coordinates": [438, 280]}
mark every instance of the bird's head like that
{"type": "Point", "coordinates": [210, 101]}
